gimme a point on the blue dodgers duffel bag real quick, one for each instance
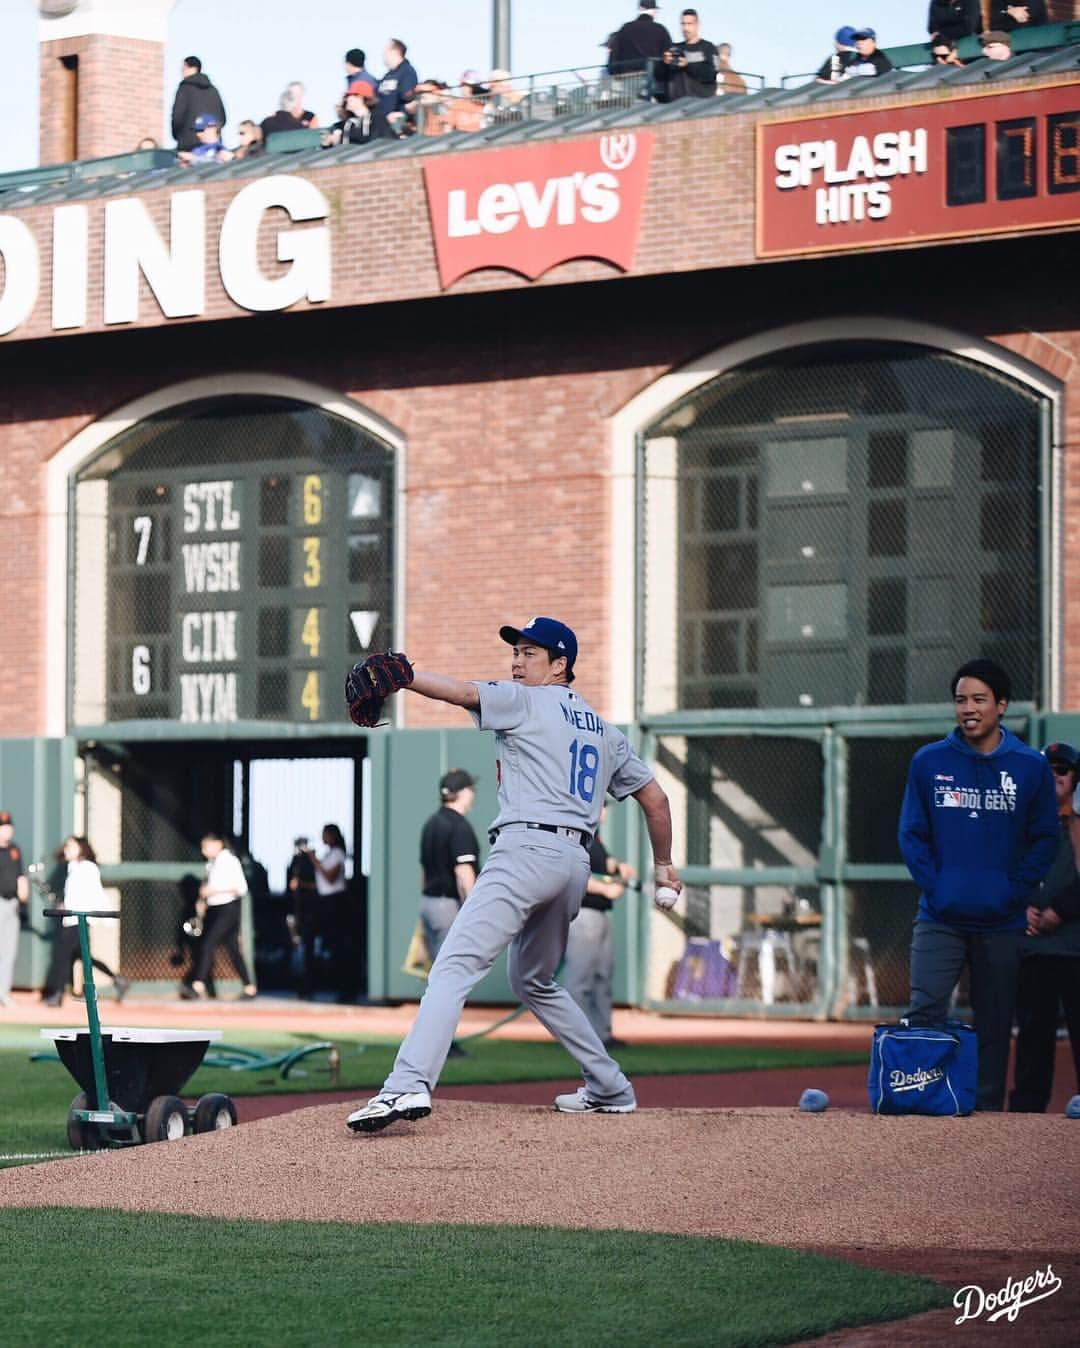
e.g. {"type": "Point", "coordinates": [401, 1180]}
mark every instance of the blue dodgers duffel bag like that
{"type": "Point", "coordinates": [923, 1069]}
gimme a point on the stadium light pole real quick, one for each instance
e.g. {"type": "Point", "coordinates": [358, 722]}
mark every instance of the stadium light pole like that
{"type": "Point", "coordinates": [500, 35]}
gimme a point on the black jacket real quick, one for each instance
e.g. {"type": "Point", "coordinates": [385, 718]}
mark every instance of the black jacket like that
{"type": "Point", "coordinates": [194, 95]}
{"type": "Point", "coordinates": [635, 43]}
{"type": "Point", "coordinates": [1004, 21]}
{"type": "Point", "coordinates": [698, 79]}
{"type": "Point", "coordinates": [954, 18]}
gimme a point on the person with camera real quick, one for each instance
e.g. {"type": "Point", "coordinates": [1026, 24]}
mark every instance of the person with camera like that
{"type": "Point", "coordinates": [219, 908]}
{"type": "Point", "coordinates": [690, 67]}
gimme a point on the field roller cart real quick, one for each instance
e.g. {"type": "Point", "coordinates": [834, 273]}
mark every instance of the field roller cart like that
{"type": "Point", "coordinates": [131, 1079]}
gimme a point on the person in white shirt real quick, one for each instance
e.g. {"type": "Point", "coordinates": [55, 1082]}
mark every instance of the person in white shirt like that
{"type": "Point", "coordinates": [83, 893]}
{"type": "Point", "coordinates": [219, 907]}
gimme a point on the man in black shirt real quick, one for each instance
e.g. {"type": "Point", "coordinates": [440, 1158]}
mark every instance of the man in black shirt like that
{"type": "Point", "coordinates": [449, 859]}
{"type": "Point", "coordinates": [590, 954]}
{"type": "Point", "coordinates": [14, 893]}
{"type": "Point", "coordinates": [690, 66]}
{"type": "Point", "coordinates": [870, 59]}
{"type": "Point", "coordinates": [639, 43]}
{"type": "Point", "coordinates": [449, 855]}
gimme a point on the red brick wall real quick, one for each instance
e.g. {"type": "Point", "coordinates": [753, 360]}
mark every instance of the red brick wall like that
{"type": "Point", "coordinates": [121, 86]}
{"type": "Point", "coordinates": [505, 404]}
{"type": "Point", "coordinates": [699, 212]}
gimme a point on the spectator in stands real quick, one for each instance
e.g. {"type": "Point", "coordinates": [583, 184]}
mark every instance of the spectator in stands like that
{"type": "Point", "coordinates": [356, 75]}
{"type": "Point", "coordinates": [728, 81]}
{"type": "Point", "coordinates": [639, 44]}
{"type": "Point", "coordinates": [838, 66]}
{"type": "Point", "coordinates": [397, 87]}
{"type": "Point", "coordinates": [467, 110]}
{"type": "Point", "coordinates": [954, 18]}
{"type": "Point", "coordinates": [303, 115]}
{"type": "Point", "coordinates": [208, 147]}
{"type": "Point", "coordinates": [503, 98]}
{"type": "Point", "coordinates": [148, 143]}
{"type": "Point", "coordinates": [359, 124]}
{"type": "Point", "coordinates": [996, 45]}
{"type": "Point", "coordinates": [943, 50]}
{"type": "Point", "coordinates": [433, 98]}
{"type": "Point", "coordinates": [689, 67]}
{"type": "Point", "coordinates": [870, 60]}
{"type": "Point", "coordinates": [1008, 17]}
{"type": "Point", "coordinates": [251, 141]}
{"type": "Point", "coordinates": [283, 119]}
{"type": "Point", "coordinates": [195, 95]}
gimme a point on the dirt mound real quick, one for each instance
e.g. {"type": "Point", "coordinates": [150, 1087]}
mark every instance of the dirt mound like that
{"type": "Point", "coordinates": [838, 1179]}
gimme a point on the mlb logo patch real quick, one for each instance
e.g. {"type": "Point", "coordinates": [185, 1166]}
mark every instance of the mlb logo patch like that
{"type": "Point", "coordinates": [946, 799]}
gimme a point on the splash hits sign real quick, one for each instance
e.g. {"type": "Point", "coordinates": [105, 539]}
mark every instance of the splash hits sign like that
{"type": "Point", "coordinates": [980, 164]}
{"type": "Point", "coordinates": [528, 209]}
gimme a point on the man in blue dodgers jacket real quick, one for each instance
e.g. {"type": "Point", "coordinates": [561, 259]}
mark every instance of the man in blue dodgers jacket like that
{"type": "Point", "coordinates": [978, 831]}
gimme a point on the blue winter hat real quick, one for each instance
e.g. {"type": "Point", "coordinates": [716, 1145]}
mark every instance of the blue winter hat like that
{"type": "Point", "coordinates": [205, 121]}
{"type": "Point", "coordinates": [846, 35]}
{"type": "Point", "coordinates": [553, 635]}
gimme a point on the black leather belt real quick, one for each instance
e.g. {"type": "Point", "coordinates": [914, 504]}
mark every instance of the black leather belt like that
{"type": "Point", "coordinates": [576, 834]}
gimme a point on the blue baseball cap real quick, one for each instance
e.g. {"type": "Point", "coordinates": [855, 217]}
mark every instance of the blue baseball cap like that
{"type": "Point", "coordinates": [864, 32]}
{"type": "Point", "coordinates": [553, 635]}
{"type": "Point", "coordinates": [846, 35]}
{"type": "Point", "coordinates": [205, 121]}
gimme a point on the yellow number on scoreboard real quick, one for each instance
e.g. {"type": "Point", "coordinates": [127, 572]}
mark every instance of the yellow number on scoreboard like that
{"type": "Point", "coordinates": [309, 698]}
{"type": "Point", "coordinates": [313, 568]}
{"type": "Point", "coordinates": [312, 499]}
{"type": "Point", "coordinates": [309, 634]}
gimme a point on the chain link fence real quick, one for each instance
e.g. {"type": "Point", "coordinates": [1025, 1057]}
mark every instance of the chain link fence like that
{"type": "Point", "coordinates": [851, 523]}
{"type": "Point", "coordinates": [748, 814]}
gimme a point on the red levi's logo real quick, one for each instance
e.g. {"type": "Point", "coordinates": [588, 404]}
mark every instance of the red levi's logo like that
{"type": "Point", "coordinates": [528, 209]}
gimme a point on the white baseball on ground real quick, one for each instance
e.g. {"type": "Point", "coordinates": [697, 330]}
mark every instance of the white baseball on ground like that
{"type": "Point", "coordinates": [666, 897]}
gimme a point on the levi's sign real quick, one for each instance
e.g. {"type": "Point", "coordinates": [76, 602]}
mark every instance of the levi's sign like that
{"type": "Point", "coordinates": [528, 209]}
{"type": "Point", "coordinates": [982, 164]}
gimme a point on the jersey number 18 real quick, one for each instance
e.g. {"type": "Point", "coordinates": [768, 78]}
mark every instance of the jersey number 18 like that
{"type": "Point", "coordinates": [584, 765]}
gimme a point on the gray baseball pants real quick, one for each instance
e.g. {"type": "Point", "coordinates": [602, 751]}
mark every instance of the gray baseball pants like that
{"type": "Point", "coordinates": [590, 964]}
{"type": "Point", "coordinates": [9, 944]}
{"type": "Point", "coordinates": [526, 897]}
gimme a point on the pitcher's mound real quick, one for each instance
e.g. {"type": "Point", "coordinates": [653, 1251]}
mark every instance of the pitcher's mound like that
{"type": "Point", "coordinates": [837, 1179]}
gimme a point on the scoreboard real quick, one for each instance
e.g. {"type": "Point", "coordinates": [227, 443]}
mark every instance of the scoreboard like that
{"type": "Point", "coordinates": [246, 590]}
{"type": "Point", "coordinates": [964, 166]}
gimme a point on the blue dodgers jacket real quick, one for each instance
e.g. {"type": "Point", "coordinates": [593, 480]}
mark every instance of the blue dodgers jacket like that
{"type": "Point", "coordinates": [978, 831]}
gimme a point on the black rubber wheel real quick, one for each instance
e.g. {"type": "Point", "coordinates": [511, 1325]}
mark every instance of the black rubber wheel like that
{"type": "Point", "coordinates": [213, 1113]}
{"type": "Point", "coordinates": [81, 1136]}
{"type": "Point", "coordinates": [166, 1119]}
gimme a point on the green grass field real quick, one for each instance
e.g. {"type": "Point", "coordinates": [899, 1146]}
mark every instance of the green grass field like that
{"type": "Point", "coordinates": [73, 1276]}
{"type": "Point", "coordinates": [34, 1096]}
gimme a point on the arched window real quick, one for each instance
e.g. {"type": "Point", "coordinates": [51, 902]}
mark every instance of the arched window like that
{"type": "Point", "coordinates": [841, 525]}
{"type": "Point", "coordinates": [232, 557]}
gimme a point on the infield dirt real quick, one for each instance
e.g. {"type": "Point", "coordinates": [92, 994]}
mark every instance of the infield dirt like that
{"type": "Point", "coordinates": [975, 1199]}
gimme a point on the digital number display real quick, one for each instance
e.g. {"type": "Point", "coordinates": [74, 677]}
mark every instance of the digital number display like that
{"type": "Point", "coordinates": [245, 594]}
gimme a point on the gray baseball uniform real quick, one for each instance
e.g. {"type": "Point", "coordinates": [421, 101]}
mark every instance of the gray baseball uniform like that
{"type": "Point", "coordinates": [556, 760]}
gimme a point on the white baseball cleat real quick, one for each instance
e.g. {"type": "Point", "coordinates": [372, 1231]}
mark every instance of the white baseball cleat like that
{"type": "Point", "coordinates": [581, 1102]}
{"type": "Point", "coordinates": [386, 1108]}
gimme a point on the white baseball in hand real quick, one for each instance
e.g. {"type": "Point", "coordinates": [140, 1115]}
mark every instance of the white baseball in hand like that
{"type": "Point", "coordinates": [665, 897]}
